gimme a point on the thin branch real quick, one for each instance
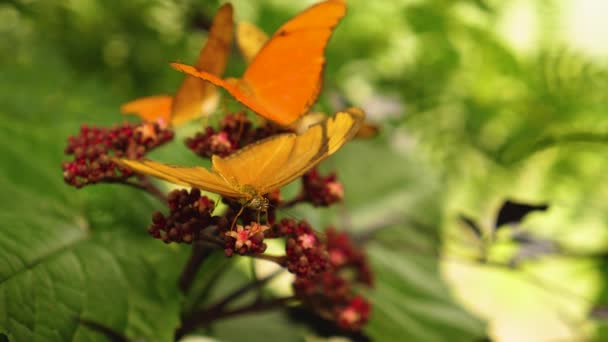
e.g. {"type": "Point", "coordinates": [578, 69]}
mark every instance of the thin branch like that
{"type": "Point", "coordinates": [152, 189]}
{"type": "Point", "coordinates": [243, 290]}
{"type": "Point", "coordinates": [278, 259]}
{"type": "Point", "coordinates": [197, 257]}
{"type": "Point", "coordinates": [108, 332]}
{"type": "Point", "coordinates": [213, 280]}
{"type": "Point", "coordinates": [142, 184]}
{"type": "Point", "coordinates": [292, 202]}
{"type": "Point", "coordinates": [203, 318]}
{"type": "Point", "coordinates": [255, 307]}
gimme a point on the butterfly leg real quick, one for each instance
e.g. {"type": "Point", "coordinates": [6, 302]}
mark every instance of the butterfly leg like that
{"type": "Point", "coordinates": [236, 217]}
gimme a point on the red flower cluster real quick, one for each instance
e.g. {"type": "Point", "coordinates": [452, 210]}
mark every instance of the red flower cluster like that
{"type": "Point", "coordinates": [305, 254]}
{"type": "Point", "coordinates": [328, 267]}
{"type": "Point", "coordinates": [344, 254]}
{"type": "Point", "coordinates": [190, 213]}
{"type": "Point", "coordinates": [94, 146]}
{"type": "Point", "coordinates": [235, 131]}
{"type": "Point", "coordinates": [330, 293]}
{"type": "Point", "coordinates": [355, 314]}
{"type": "Point", "coordinates": [322, 191]}
{"type": "Point", "coordinates": [246, 240]}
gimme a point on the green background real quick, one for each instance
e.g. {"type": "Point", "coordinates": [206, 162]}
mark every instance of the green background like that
{"type": "Point", "coordinates": [468, 117]}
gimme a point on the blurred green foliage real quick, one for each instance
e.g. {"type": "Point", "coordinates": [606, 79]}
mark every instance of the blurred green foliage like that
{"type": "Point", "coordinates": [467, 122]}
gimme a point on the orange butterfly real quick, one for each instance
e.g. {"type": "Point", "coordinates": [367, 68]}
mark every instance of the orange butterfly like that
{"type": "Point", "coordinates": [264, 166]}
{"type": "Point", "coordinates": [250, 39]}
{"type": "Point", "coordinates": [284, 79]}
{"type": "Point", "coordinates": [194, 97]}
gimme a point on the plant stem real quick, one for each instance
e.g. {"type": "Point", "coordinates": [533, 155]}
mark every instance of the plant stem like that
{"type": "Point", "coordinates": [152, 189]}
{"type": "Point", "coordinates": [280, 260]}
{"type": "Point", "coordinates": [258, 283]}
{"type": "Point", "coordinates": [108, 332]}
{"type": "Point", "coordinates": [197, 257]}
{"type": "Point", "coordinates": [255, 307]}
{"type": "Point", "coordinates": [288, 204]}
{"type": "Point", "coordinates": [143, 184]}
{"type": "Point", "coordinates": [205, 317]}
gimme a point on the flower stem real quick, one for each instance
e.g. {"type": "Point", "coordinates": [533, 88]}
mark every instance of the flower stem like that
{"type": "Point", "coordinates": [258, 283]}
{"type": "Point", "coordinates": [205, 317]}
{"type": "Point", "coordinates": [197, 257]}
{"type": "Point", "coordinates": [292, 202]}
{"type": "Point", "coordinates": [110, 333]}
{"type": "Point", "coordinates": [142, 184]}
{"type": "Point", "coordinates": [279, 259]}
{"type": "Point", "coordinates": [152, 189]}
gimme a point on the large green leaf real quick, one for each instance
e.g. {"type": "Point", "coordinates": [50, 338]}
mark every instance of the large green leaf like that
{"type": "Point", "coordinates": [68, 255]}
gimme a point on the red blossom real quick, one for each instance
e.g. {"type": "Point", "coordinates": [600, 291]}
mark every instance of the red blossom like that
{"type": "Point", "coordinates": [322, 191]}
{"type": "Point", "coordinates": [246, 240]}
{"type": "Point", "coordinates": [354, 315]}
{"type": "Point", "coordinates": [189, 214]}
{"type": "Point", "coordinates": [235, 131]}
{"type": "Point", "coordinates": [94, 146]}
{"type": "Point", "coordinates": [331, 293]}
{"type": "Point", "coordinates": [344, 253]}
{"type": "Point", "coordinates": [306, 254]}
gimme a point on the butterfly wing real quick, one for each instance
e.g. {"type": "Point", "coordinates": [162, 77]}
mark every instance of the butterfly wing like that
{"type": "Point", "coordinates": [234, 86]}
{"type": "Point", "coordinates": [252, 165]}
{"type": "Point", "coordinates": [286, 74]}
{"type": "Point", "coordinates": [197, 177]}
{"type": "Point", "coordinates": [250, 40]}
{"type": "Point", "coordinates": [276, 161]}
{"type": "Point", "coordinates": [195, 96]}
{"type": "Point", "coordinates": [284, 79]}
{"type": "Point", "coordinates": [367, 130]}
{"type": "Point", "coordinates": [316, 144]}
{"type": "Point", "coordinates": [150, 108]}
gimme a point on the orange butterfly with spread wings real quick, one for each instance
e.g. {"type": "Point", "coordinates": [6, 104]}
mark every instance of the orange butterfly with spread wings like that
{"type": "Point", "coordinates": [250, 39]}
{"type": "Point", "coordinates": [284, 79]}
{"type": "Point", "coordinates": [267, 165]}
{"type": "Point", "coordinates": [194, 97]}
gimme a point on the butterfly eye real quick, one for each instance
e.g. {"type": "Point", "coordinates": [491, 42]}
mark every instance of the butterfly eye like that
{"type": "Point", "coordinates": [258, 203]}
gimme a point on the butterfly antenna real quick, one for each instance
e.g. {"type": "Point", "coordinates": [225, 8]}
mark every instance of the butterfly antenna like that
{"type": "Point", "coordinates": [283, 211]}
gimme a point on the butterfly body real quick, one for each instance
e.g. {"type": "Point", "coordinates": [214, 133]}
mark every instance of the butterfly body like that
{"type": "Point", "coordinates": [259, 203]}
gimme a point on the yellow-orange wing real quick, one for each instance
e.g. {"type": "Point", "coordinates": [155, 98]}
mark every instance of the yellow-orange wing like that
{"type": "Point", "coordinates": [197, 177]}
{"type": "Point", "coordinates": [250, 40]}
{"type": "Point", "coordinates": [274, 162]}
{"type": "Point", "coordinates": [155, 108]}
{"type": "Point", "coordinates": [264, 166]}
{"type": "Point", "coordinates": [368, 130]}
{"type": "Point", "coordinates": [194, 96]}
{"type": "Point", "coordinates": [284, 79]}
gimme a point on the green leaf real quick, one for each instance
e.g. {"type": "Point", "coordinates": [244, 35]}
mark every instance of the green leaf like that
{"type": "Point", "coordinates": [68, 254]}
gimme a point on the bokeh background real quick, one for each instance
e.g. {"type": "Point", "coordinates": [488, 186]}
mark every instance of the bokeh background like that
{"type": "Point", "coordinates": [479, 102]}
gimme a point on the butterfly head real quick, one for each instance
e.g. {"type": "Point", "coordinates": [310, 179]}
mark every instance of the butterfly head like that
{"type": "Point", "coordinates": [259, 203]}
{"type": "Point", "coordinates": [255, 200]}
